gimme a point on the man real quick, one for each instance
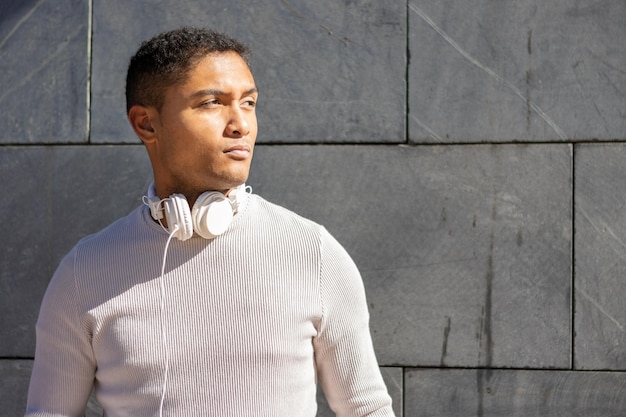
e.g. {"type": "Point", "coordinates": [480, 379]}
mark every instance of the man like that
{"type": "Point", "coordinates": [207, 300]}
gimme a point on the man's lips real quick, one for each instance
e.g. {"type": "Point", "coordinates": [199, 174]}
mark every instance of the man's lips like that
{"type": "Point", "coordinates": [238, 152]}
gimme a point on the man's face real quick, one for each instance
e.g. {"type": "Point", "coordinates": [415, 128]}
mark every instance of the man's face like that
{"type": "Point", "coordinates": [207, 128]}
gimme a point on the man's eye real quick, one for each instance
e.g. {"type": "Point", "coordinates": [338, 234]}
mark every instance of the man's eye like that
{"type": "Point", "coordinates": [210, 103]}
{"type": "Point", "coordinates": [249, 103]}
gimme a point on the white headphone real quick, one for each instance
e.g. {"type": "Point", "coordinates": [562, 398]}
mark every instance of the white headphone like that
{"type": "Point", "coordinates": [210, 216]}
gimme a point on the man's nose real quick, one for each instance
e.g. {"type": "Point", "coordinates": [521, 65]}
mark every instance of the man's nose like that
{"type": "Point", "coordinates": [237, 125]}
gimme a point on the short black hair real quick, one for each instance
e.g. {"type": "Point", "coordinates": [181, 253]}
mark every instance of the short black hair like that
{"type": "Point", "coordinates": [167, 58]}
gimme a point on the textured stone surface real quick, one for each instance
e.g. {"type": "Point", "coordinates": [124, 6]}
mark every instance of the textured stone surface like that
{"type": "Point", "coordinates": [327, 71]}
{"type": "Point", "coordinates": [26, 252]}
{"type": "Point", "coordinates": [57, 195]}
{"type": "Point", "coordinates": [14, 378]}
{"type": "Point", "coordinates": [44, 67]}
{"type": "Point", "coordinates": [497, 393]}
{"type": "Point", "coordinates": [516, 70]}
{"type": "Point", "coordinates": [600, 257]}
{"type": "Point", "coordinates": [465, 251]}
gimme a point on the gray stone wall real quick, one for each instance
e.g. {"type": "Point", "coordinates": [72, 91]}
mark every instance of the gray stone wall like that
{"type": "Point", "coordinates": [468, 154]}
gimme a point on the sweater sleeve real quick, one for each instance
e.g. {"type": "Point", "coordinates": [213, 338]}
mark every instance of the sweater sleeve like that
{"type": "Point", "coordinates": [64, 367]}
{"type": "Point", "coordinates": [346, 364]}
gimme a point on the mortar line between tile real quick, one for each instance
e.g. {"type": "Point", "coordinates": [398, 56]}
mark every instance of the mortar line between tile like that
{"type": "Point", "coordinates": [573, 265]}
{"type": "Point", "coordinates": [89, 68]}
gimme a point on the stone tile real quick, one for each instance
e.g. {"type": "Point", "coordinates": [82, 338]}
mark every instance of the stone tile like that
{"type": "Point", "coordinates": [58, 195]}
{"type": "Point", "coordinates": [328, 71]}
{"type": "Point", "coordinates": [516, 71]}
{"type": "Point", "coordinates": [14, 379]}
{"type": "Point", "coordinates": [93, 408]}
{"type": "Point", "coordinates": [496, 393]}
{"type": "Point", "coordinates": [465, 250]}
{"type": "Point", "coordinates": [44, 67]}
{"type": "Point", "coordinates": [600, 257]}
{"type": "Point", "coordinates": [393, 380]}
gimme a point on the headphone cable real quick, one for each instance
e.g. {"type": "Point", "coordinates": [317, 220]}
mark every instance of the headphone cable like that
{"type": "Point", "coordinates": [162, 306]}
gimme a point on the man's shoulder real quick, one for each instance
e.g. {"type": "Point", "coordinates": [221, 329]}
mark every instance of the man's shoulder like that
{"type": "Point", "coordinates": [281, 213]}
{"type": "Point", "coordinates": [119, 230]}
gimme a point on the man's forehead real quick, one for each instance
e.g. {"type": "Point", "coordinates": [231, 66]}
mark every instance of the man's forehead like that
{"type": "Point", "coordinates": [216, 74]}
{"type": "Point", "coordinates": [219, 61]}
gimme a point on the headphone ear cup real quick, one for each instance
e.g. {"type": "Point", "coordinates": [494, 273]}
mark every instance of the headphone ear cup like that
{"type": "Point", "coordinates": [211, 214]}
{"type": "Point", "coordinates": [178, 216]}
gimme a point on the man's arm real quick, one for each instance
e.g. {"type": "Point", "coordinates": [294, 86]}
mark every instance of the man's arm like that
{"type": "Point", "coordinates": [64, 368]}
{"type": "Point", "coordinates": [346, 363]}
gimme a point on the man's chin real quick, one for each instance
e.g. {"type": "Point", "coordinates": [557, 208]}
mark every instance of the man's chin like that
{"type": "Point", "coordinates": [231, 183]}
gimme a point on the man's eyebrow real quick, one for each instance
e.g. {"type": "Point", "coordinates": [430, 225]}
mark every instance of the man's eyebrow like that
{"type": "Point", "coordinates": [214, 92]}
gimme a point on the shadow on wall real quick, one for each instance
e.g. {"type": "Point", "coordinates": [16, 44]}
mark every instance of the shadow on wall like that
{"type": "Point", "coordinates": [12, 16]}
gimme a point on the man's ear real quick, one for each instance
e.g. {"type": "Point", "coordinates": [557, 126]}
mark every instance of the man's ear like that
{"type": "Point", "coordinates": [142, 121]}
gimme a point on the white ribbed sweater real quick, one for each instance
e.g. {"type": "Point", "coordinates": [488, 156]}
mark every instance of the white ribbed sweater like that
{"type": "Point", "coordinates": [251, 320]}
